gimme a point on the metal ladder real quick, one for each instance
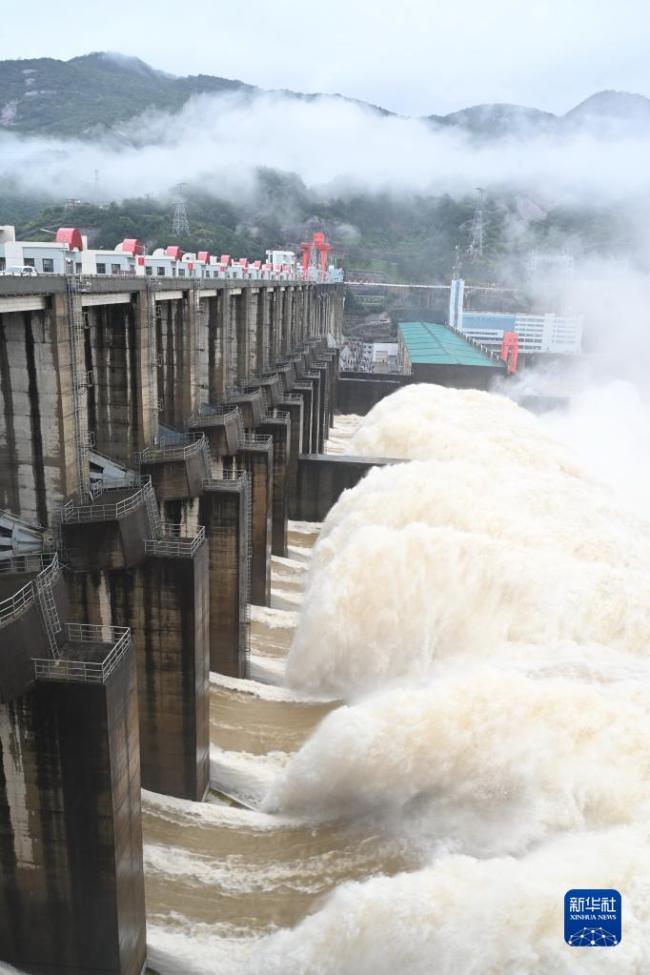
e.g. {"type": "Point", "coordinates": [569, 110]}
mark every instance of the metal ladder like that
{"type": "Point", "coordinates": [207, 456]}
{"type": "Point", "coordinates": [49, 614]}
{"type": "Point", "coordinates": [153, 511]}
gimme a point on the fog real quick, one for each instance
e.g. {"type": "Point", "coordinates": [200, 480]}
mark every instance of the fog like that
{"type": "Point", "coordinates": [217, 143]}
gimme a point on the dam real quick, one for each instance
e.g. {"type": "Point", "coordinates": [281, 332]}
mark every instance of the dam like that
{"type": "Point", "coordinates": [266, 631]}
{"type": "Point", "coordinates": [150, 446]}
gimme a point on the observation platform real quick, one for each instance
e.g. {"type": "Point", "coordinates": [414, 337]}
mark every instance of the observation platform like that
{"type": "Point", "coordinates": [178, 466]}
{"type": "Point", "coordinates": [109, 531]}
{"type": "Point", "coordinates": [223, 426]}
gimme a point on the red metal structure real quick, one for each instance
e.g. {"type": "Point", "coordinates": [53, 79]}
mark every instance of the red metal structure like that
{"type": "Point", "coordinates": [204, 256]}
{"type": "Point", "coordinates": [510, 351]}
{"type": "Point", "coordinates": [130, 245]}
{"type": "Point", "coordinates": [313, 251]}
{"type": "Point", "coordinates": [70, 236]}
{"type": "Point", "coordinates": [175, 252]}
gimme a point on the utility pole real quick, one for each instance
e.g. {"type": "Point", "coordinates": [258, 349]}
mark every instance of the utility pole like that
{"type": "Point", "coordinates": [180, 223]}
{"type": "Point", "coordinates": [475, 248]}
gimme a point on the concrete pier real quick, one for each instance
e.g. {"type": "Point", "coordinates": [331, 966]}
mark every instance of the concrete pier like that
{"type": "Point", "coordinates": [256, 457]}
{"type": "Point", "coordinates": [169, 610]}
{"type": "Point", "coordinates": [225, 510]}
{"type": "Point", "coordinates": [323, 478]}
{"type": "Point", "coordinates": [165, 603]}
{"type": "Point", "coordinates": [313, 377]}
{"type": "Point", "coordinates": [116, 340]}
{"type": "Point", "coordinates": [305, 390]}
{"type": "Point", "coordinates": [357, 395]}
{"type": "Point", "coordinates": [71, 885]}
{"type": "Point", "coordinates": [278, 425]}
{"type": "Point", "coordinates": [293, 405]}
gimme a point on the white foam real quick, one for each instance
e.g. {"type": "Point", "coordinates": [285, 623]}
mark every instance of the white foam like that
{"type": "Point", "coordinates": [475, 917]}
{"type": "Point", "coordinates": [264, 691]}
{"type": "Point", "coordinates": [245, 777]}
{"type": "Point", "coordinates": [497, 761]}
{"type": "Point", "coordinates": [389, 603]}
{"type": "Point", "coordinates": [274, 618]}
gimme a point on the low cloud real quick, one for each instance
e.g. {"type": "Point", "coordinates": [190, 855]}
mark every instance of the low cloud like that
{"type": "Point", "coordinates": [218, 143]}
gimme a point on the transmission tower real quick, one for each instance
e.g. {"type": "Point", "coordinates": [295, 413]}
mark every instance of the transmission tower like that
{"type": "Point", "coordinates": [475, 248]}
{"type": "Point", "coordinates": [180, 223]}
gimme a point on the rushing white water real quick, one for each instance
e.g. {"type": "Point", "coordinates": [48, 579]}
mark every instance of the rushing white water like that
{"type": "Point", "coordinates": [475, 916]}
{"type": "Point", "coordinates": [390, 602]}
{"type": "Point", "coordinates": [479, 787]}
{"type": "Point", "coordinates": [496, 599]}
{"type": "Point", "coordinates": [423, 421]}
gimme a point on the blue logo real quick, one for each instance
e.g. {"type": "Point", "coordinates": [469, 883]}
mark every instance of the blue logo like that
{"type": "Point", "coordinates": [592, 918]}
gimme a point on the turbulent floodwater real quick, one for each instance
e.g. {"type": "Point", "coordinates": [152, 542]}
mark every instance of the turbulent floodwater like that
{"type": "Point", "coordinates": [447, 725]}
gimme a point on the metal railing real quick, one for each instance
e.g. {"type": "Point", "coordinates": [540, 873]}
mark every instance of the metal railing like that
{"type": "Point", "coordinates": [229, 476]}
{"type": "Point", "coordinates": [218, 409]}
{"type": "Point", "coordinates": [72, 513]}
{"type": "Point", "coordinates": [276, 413]}
{"type": "Point", "coordinates": [48, 569]}
{"type": "Point", "coordinates": [172, 542]}
{"type": "Point", "coordinates": [19, 564]}
{"type": "Point", "coordinates": [168, 449]}
{"type": "Point", "coordinates": [14, 606]}
{"type": "Point", "coordinates": [256, 440]}
{"type": "Point", "coordinates": [87, 671]}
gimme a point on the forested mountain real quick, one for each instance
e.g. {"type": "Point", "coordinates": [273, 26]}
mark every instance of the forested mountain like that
{"type": "Point", "coordinates": [411, 236]}
{"type": "Point", "coordinates": [89, 95]}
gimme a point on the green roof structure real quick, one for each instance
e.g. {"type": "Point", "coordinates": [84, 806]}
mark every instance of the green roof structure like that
{"type": "Point", "coordinates": [437, 344]}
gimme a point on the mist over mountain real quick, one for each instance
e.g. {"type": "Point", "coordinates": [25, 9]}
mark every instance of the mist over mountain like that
{"type": "Point", "coordinates": [90, 95]}
{"type": "Point", "coordinates": [113, 138]}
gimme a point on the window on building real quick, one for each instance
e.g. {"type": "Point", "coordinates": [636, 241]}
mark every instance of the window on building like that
{"type": "Point", "coordinates": [3, 263]}
{"type": "Point", "coordinates": [160, 271]}
{"type": "Point", "coordinates": [148, 270]}
{"type": "Point", "coordinates": [77, 267]}
{"type": "Point", "coordinates": [48, 265]}
{"type": "Point", "coordinates": [116, 268]}
{"type": "Point", "coordinates": [101, 269]}
{"type": "Point", "coordinates": [29, 262]}
{"type": "Point", "coordinates": [181, 272]}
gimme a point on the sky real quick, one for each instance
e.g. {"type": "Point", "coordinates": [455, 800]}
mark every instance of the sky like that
{"type": "Point", "coordinates": [412, 56]}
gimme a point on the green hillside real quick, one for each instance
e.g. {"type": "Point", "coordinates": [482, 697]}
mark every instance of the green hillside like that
{"type": "Point", "coordinates": [91, 93]}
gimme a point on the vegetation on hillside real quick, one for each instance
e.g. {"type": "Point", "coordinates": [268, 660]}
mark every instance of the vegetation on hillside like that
{"type": "Point", "coordinates": [376, 235]}
{"type": "Point", "coordinates": [90, 94]}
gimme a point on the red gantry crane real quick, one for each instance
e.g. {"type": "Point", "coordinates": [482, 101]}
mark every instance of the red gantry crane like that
{"type": "Point", "coordinates": [315, 255]}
